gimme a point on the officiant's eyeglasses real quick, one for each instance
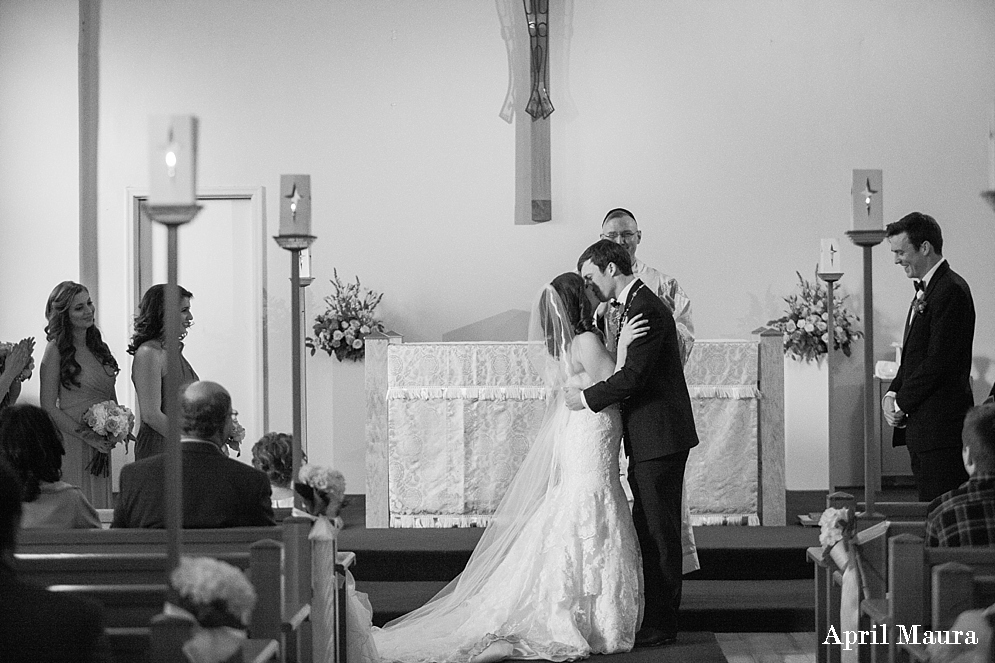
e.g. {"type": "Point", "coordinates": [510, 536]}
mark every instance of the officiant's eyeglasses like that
{"type": "Point", "coordinates": [613, 236]}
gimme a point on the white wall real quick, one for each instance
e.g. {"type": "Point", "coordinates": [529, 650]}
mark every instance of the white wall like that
{"type": "Point", "coordinates": [39, 185]}
{"type": "Point", "coordinates": [729, 127]}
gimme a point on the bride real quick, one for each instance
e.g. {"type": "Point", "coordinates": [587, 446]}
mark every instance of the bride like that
{"type": "Point", "coordinates": [556, 575]}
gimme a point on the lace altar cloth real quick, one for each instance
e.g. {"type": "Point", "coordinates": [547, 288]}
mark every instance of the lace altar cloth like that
{"type": "Point", "coordinates": [462, 415]}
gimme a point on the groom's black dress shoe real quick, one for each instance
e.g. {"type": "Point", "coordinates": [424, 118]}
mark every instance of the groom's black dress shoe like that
{"type": "Point", "coordinates": [651, 636]}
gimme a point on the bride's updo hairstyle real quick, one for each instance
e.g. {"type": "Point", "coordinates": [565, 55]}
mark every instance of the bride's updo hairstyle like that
{"type": "Point", "coordinates": [60, 330]}
{"type": "Point", "coordinates": [150, 323]}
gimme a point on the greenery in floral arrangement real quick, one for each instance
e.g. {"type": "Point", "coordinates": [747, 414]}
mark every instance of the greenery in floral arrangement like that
{"type": "Point", "coordinates": [805, 324]}
{"type": "Point", "coordinates": [342, 328]}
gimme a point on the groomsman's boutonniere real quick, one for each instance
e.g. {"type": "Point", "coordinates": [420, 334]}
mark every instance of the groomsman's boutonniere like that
{"type": "Point", "coordinates": [920, 305]}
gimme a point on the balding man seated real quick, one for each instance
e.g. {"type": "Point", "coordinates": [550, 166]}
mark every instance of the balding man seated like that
{"type": "Point", "coordinates": [217, 491]}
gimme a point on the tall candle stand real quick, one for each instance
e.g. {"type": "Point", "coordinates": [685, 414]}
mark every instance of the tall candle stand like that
{"type": "Point", "coordinates": [831, 278]}
{"type": "Point", "coordinates": [295, 244]}
{"type": "Point", "coordinates": [172, 216]}
{"type": "Point", "coordinates": [868, 239]}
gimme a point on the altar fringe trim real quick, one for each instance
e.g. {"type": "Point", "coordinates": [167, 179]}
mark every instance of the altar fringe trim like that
{"type": "Point", "coordinates": [466, 393]}
{"type": "Point", "coordinates": [734, 392]}
{"type": "Point", "coordinates": [407, 521]}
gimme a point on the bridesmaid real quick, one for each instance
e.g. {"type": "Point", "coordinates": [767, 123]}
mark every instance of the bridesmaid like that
{"type": "Point", "coordinates": [77, 371]}
{"type": "Point", "coordinates": [148, 370]}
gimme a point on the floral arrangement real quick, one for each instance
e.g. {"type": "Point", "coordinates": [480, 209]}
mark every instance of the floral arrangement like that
{"type": "Point", "coordinates": [5, 350]}
{"type": "Point", "coordinates": [237, 434]}
{"type": "Point", "coordinates": [214, 592]}
{"type": "Point", "coordinates": [218, 599]}
{"type": "Point", "coordinates": [806, 323]}
{"type": "Point", "coordinates": [342, 328]}
{"type": "Point", "coordinates": [322, 489]}
{"type": "Point", "coordinates": [112, 422]}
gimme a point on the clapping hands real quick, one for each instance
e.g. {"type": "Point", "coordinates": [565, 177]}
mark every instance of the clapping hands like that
{"type": "Point", "coordinates": [20, 360]}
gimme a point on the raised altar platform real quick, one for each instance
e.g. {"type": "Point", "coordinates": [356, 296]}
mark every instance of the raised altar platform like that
{"type": "Point", "coordinates": [447, 425]}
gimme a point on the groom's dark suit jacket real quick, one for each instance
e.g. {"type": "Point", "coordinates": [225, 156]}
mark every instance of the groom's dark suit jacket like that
{"type": "Point", "coordinates": [657, 418]}
{"type": "Point", "coordinates": [933, 385]}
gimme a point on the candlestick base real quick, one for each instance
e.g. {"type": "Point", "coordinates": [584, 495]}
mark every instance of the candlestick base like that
{"type": "Point", "coordinates": [306, 281]}
{"type": "Point", "coordinates": [830, 277]}
{"type": "Point", "coordinates": [990, 197]}
{"type": "Point", "coordinates": [172, 215]}
{"type": "Point", "coordinates": [294, 242]}
{"type": "Point", "coordinates": [866, 237]}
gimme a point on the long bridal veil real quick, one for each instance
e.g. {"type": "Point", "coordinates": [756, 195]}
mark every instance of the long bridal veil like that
{"type": "Point", "coordinates": [550, 337]}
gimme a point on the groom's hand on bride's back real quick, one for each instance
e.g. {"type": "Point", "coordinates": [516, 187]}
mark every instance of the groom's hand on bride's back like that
{"type": "Point", "coordinates": [573, 398]}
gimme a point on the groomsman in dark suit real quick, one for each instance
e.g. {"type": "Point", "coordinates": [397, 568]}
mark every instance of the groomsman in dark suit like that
{"type": "Point", "coordinates": [658, 431]}
{"type": "Point", "coordinates": [217, 491]}
{"type": "Point", "coordinates": [932, 391]}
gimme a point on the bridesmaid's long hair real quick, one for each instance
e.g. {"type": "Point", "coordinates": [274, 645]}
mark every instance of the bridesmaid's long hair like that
{"type": "Point", "coordinates": [150, 322]}
{"type": "Point", "coordinates": [60, 330]}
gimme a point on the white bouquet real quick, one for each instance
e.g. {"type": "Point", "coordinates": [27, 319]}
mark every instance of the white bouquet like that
{"type": "Point", "coordinates": [112, 422]}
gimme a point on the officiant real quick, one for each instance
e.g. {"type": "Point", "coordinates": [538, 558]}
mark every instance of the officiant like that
{"type": "Point", "coordinates": [620, 227]}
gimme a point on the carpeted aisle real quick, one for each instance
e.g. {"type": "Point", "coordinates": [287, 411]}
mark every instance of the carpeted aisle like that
{"type": "Point", "coordinates": [691, 647]}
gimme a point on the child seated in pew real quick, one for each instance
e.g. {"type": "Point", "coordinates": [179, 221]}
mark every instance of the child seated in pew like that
{"type": "Point", "coordinates": [31, 443]}
{"type": "Point", "coordinates": [273, 454]}
{"type": "Point", "coordinates": [35, 624]}
{"type": "Point", "coordinates": [965, 516]}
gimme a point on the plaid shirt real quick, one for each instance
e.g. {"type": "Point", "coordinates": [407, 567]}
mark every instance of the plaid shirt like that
{"type": "Point", "coordinates": [964, 516]}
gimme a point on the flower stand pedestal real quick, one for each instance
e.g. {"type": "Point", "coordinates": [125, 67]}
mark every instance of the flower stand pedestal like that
{"type": "Point", "coordinates": [806, 424]}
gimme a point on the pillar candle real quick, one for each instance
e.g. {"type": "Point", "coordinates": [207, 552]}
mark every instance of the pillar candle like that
{"type": "Point", "coordinates": [868, 200]}
{"type": "Point", "coordinates": [829, 257]}
{"type": "Point", "coordinates": [991, 150]}
{"type": "Point", "coordinates": [305, 263]}
{"type": "Point", "coordinates": [295, 204]}
{"type": "Point", "coordinates": [173, 160]}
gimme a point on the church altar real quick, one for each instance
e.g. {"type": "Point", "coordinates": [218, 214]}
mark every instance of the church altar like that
{"type": "Point", "coordinates": [447, 425]}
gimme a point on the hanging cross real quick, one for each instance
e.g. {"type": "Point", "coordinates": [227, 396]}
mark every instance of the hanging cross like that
{"type": "Point", "coordinates": [539, 107]}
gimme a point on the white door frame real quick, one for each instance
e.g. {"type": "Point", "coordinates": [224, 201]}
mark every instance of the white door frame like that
{"type": "Point", "coordinates": [140, 261]}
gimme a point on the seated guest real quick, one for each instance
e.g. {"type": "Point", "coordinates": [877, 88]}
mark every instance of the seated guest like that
{"type": "Point", "coordinates": [217, 491]}
{"type": "Point", "coordinates": [965, 516]}
{"type": "Point", "coordinates": [35, 624]}
{"type": "Point", "coordinates": [273, 454]}
{"type": "Point", "coordinates": [31, 443]}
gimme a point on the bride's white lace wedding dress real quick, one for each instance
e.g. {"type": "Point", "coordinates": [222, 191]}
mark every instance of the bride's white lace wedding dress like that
{"type": "Point", "coordinates": [567, 586]}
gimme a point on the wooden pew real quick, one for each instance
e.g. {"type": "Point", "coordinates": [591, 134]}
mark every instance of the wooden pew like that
{"type": "Point", "coordinates": [872, 541]}
{"type": "Point", "coordinates": [909, 597]}
{"type": "Point", "coordinates": [955, 588]}
{"type": "Point", "coordinates": [126, 572]}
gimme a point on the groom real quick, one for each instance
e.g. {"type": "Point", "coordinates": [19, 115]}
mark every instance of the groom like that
{"type": "Point", "coordinates": [658, 431]}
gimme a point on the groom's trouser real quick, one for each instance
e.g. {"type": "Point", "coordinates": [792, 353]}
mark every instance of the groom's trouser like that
{"type": "Point", "coordinates": [656, 511]}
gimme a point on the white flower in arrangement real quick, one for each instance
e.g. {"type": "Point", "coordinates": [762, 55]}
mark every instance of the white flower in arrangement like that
{"type": "Point", "coordinates": [215, 592]}
{"type": "Point", "coordinates": [337, 334]}
{"type": "Point", "coordinates": [357, 344]}
{"type": "Point", "coordinates": [364, 329]}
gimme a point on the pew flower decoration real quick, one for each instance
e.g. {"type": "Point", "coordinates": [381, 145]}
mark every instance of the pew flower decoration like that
{"type": "Point", "coordinates": [323, 491]}
{"type": "Point", "coordinates": [836, 526]}
{"type": "Point", "coordinates": [342, 328]}
{"type": "Point", "coordinates": [113, 422]}
{"type": "Point", "coordinates": [218, 598]}
{"type": "Point", "coordinates": [237, 434]}
{"type": "Point", "coordinates": [806, 322]}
